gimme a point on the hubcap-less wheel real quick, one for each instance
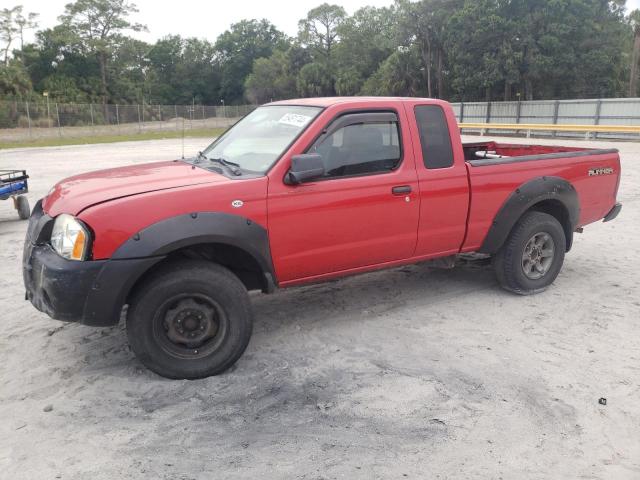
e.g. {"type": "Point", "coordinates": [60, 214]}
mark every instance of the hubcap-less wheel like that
{"type": "Point", "coordinates": [537, 257]}
{"type": "Point", "coordinates": [190, 326]}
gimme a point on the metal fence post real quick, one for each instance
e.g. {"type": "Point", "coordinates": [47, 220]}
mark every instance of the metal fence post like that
{"type": "Point", "coordinates": [461, 112]}
{"type": "Point", "coordinates": [28, 117]}
{"type": "Point", "coordinates": [139, 120]}
{"type": "Point", "coordinates": [58, 116]}
{"type": "Point", "coordinates": [597, 117]}
{"type": "Point", "coordinates": [556, 109]}
{"type": "Point", "coordinates": [117, 116]}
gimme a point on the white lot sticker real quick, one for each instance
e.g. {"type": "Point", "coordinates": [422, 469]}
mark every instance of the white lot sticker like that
{"type": "Point", "coordinates": [294, 120]}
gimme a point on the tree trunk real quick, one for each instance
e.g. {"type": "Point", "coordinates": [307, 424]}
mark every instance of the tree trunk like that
{"type": "Point", "coordinates": [102, 60]}
{"type": "Point", "coordinates": [428, 67]}
{"type": "Point", "coordinates": [507, 90]}
{"type": "Point", "coordinates": [528, 89]}
{"type": "Point", "coordinates": [633, 79]}
{"type": "Point", "coordinates": [440, 79]}
{"type": "Point", "coordinates": [488, 94]}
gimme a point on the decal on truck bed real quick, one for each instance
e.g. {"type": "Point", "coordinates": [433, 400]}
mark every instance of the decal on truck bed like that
{"type": "Point", "coordinates": [600, 171]}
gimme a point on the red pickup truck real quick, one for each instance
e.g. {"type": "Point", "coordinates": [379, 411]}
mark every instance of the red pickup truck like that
{"type": "Point", "coordinates": [296, 192]}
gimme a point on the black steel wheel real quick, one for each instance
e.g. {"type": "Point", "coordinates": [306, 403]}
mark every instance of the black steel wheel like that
{"type": "Point", "coordinates": [192, 319]}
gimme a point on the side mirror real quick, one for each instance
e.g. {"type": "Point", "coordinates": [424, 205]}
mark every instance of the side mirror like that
{"type": "Point", "coordinates": [305, 167]}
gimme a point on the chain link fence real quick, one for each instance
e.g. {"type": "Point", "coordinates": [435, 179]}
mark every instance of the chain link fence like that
{"type": "Point", "coordinates": [30, 120]}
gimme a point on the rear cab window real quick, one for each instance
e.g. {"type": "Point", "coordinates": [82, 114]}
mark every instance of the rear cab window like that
{"type": "Point", "coordinates": [435, 138]}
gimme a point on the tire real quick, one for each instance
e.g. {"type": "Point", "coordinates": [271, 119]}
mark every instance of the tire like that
{"type": "Point", "coordinates": [22, 205]}
{"type": "Point", "coordinates": [191, 319]}
{"type": "Point", "coordinates": [533, 254]}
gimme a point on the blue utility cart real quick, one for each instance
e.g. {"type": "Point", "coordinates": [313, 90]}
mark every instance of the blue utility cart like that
{"type": "Point", "coordinates": [14, 184]}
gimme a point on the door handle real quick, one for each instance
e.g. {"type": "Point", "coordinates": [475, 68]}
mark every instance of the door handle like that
{"type": "Point", "coordinates": [401, 190]}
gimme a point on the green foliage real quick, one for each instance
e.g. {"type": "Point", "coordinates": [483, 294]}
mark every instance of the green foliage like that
{"type": "Point", "coordinates": [399, 75]}
{"type": "Point", "coordinates": [454, 49]}
{"type": "Point", "coordinates": [238, 47]}
{"type": "Point", "coordinates": [315, 80]}
{"type": "Point", "coordinates": [14, 80]}
{"type": "Point", "coordinates": [319, 31]}
{"type": "Point", "coordinates": [271, 79]}
{"type": "Point", "coordinates": [96, 27]}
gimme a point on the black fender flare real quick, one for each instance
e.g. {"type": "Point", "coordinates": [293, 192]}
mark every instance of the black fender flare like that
{"type": "Point", "coordinates": [181, 231]}
{"type": "Point", "coordinates": [146, 248]}
{"type": "Point", "coordinates": [524, 197]}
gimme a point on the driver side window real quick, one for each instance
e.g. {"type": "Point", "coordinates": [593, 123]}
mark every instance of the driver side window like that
{"type": "Point", "coordinates": [360, 149]}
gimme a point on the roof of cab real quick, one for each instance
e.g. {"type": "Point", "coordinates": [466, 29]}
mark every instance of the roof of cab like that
{"type": "Point", "coordinates": [328, 101]}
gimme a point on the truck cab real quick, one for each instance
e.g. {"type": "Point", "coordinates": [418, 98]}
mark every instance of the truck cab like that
{"type": "Point", "coordinates": [299, 192]}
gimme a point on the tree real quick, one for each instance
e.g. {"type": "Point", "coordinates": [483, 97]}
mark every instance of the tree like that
{"type": "Point", "coordinates": [426, 24]}
{"type": "Point", "coordinates": [182, 70]}
{"type": "Point", "coordinates": [25, 23]}
{"type": "Point", "coordinates": [479, 45]}
{"type": "Point", "coordinates": [54, 59]}
{"type": "Point", "coordinates": [367, 38]}
{"type": "Point", "coordinates": [271, 79]}
{"type": "Point", "coordinates": [14, 79]}
{"type": "Point", "coordinates": [320, 29]}
{"type": "Point", "coordinates": [397, 76]}
{"type": "Point", "coordinates": [8, 29]}
{"type": "Point", "coordinates": [634, 20]}
{"type": "Point", "coordinates": [239, 47]}
{"type": "Point", "coordinates": [315, 81]}
{"type": "Point", "coordinates": [96, 27]}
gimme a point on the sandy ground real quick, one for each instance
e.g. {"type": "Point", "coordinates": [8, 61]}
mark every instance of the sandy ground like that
{"type": "Point", "coordinates": [406, 373]}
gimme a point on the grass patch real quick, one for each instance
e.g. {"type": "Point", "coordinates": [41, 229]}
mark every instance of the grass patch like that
{"type": "Point", "coordinates": [91, 139]}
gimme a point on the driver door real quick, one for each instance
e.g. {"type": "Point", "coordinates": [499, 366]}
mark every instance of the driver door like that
{"type": "Point", "coordinates": [363, 212]}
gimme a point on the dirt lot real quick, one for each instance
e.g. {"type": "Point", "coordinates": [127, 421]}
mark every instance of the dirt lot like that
{"type": "Point", "coordinates": [407, 373]}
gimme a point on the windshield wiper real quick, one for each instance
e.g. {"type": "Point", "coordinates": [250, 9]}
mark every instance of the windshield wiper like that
{"type": "Point", "coordinates": [200, 156]}
{"type": "Point", "coordinates": [234, 167]}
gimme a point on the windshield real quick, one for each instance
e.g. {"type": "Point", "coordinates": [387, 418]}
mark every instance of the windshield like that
{"type": "Point", "coordinates": [258, 140]}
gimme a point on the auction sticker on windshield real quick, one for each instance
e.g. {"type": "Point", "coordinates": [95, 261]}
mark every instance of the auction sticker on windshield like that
{"type": "Point", "coordinates": [295, 120]}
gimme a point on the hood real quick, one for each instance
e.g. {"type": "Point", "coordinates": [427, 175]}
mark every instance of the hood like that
{"type": "Point", "coordinates": [74, 194]}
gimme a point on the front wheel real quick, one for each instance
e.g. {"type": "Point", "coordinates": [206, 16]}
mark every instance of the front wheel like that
{"type": "Point", "coordinates": [192, 319]}
{"type": "Point", "coordinates": [533, 254]}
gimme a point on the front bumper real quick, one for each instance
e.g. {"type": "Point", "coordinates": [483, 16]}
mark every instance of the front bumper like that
{"type": "Point", "coordinates": [90, 292]}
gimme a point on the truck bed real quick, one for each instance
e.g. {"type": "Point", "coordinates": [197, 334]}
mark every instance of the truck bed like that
{"type": "Point", "coordinates": [481, 154]}
{"type": "Point", "coordinates": [594, 173]}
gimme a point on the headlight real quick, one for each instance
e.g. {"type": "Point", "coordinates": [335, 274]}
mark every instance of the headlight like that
{"type": "Point", "coordinates": [70, 238]}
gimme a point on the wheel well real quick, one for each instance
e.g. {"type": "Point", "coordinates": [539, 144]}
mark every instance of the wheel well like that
{"type": "Point", "coordinates": [557, 209]}
{"type": "Point", "coordinates": [237, 260]}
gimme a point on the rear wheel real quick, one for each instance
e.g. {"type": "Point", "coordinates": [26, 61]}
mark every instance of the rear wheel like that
{"type": "Point", "coordinates": [192, 319]}
{"type": "Point", "coordinates": [533, 254]}
{"type": "Point", "coordinates": [22, 205]}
